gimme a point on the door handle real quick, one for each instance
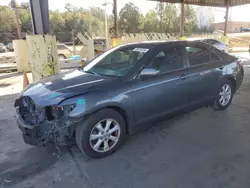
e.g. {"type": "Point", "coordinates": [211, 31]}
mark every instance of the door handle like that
{"type": "Point", "coordinates": [183, 76]}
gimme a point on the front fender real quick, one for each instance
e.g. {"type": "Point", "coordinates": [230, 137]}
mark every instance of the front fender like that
{"type": "Point", "coordinates": [89, 103]}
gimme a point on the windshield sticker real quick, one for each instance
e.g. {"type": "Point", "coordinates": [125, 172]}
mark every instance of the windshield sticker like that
{"type": "Point", "coordinates": [142, 50]}
{"type": "Point", "coordinates": [81, 101]}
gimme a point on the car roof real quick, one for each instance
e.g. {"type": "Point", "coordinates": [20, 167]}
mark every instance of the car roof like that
{"type": "Point", "coordinates": [152, 44]}
{"type": "Point", "coordinates": [218, 41]}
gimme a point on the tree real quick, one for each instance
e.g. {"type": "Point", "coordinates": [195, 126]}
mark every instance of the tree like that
{"type": "Point", "coordinates": [7, 24]}
{"type": "Point", "coordinates": [170, 18]}
{"type": "Point", "coordinates": [56, 21]}
{"type": "Point", "coordinates": [151, 22]}
{"type": "Point", "coordinates": [164, 19]}
{"type": "Point", "coordinates": [69, 7]}
{"type": "Point", "coordinates": [25, 5]}
{"type": "Point", "coordinates": [25, 18]}
{"type": "Point", "coordinates": [160, 12]}
{"type": "Point", "coordinates": [89, 21]}
{"type": "Point", "coordinates": [98, 13]}
{"type": "Point", "coordinates": [190, 19]}
{"type": "Point", "coordinates": [130, 18]}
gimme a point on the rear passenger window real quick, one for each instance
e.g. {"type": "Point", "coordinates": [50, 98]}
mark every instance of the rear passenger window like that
{"type": "Point", "coordinates": [197, 56]}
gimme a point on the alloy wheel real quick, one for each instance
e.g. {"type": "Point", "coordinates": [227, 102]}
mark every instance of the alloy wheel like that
{"type": "Point", "coordinates": [225, 94]}
{"type": "Point", "coordinates": [104, 135]}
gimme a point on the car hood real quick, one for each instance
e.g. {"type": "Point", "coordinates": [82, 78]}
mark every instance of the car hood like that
{"type": "Point", "coordinates": [54, 89]}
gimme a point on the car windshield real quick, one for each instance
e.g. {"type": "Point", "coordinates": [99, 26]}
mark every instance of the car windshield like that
{"type": "Point", "coordinates": [115, 62]}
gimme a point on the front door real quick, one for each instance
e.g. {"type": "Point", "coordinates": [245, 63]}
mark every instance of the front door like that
{"type": "Point", "coordinates": [163, 93]}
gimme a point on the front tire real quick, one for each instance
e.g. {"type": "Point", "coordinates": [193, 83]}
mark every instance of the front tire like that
{"type": "Point", "coordinates": [225, 95]}
{"type": "Point", "coordinates": [101, 134]}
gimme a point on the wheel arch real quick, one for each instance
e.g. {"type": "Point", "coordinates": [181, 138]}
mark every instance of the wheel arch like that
{"type": "Point", "coordinates": [118, 109]}
{"type": "Point", "coordinates": [61, 54]}
{"type": "Point", "coordinates": [232, 80]}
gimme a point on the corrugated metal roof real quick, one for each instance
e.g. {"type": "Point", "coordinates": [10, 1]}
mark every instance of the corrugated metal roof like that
{"type": "Point", "coordinates": [215, 3]}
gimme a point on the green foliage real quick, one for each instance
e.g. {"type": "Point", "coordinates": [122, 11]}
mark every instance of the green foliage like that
{"type": "Point", "coordinates": [160, 7]}
{"type": "Point", "coordinates": [130, 18]}
{"type": "Point", "coordinates": [164, 18]}
{"type": "Point", "coordinates": [89, 21]}
{"type": "Point", "coordinates": [25, 20]}
{"type": "Point", "coordinates": [190, 19]}
{"type": "Point", "coordinates": [151, 21]}
{"type": "Point", "coordinates": [7, 23]}
{"type": "Point", "coordinates": [170, 19]}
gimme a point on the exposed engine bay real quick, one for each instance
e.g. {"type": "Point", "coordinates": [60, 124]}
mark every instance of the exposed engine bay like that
{"type": "Point", "coordinates": [43, 125]}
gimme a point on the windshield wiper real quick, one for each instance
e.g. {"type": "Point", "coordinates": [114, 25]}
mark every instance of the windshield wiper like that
{"type": "Point", "coordinates": [91, 72]}
{"type": "Point", "coordinates": [88, 71]}
{"type": "Point", "coordinates": [80, 68]}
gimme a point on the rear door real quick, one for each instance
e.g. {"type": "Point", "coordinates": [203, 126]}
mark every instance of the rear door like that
{"type": "Point", "coordinates": [203, 72]}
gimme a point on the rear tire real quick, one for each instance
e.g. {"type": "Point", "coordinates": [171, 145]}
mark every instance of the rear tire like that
{"type": "Point", "coordinates": [101, 134]}
{"type": "Point", "coordinates": [61, 56]}
{"type": "Point", "coordinates": [224, 96]}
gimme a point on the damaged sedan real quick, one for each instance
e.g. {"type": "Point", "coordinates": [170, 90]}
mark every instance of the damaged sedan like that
{"type": "Point", "coordinates": [124, 90]}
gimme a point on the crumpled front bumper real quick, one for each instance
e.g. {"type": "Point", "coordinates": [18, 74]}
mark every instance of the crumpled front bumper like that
{"type": "Point", "coordinates": [45, 133]}
{"type": "Point", "coordinates": [35, 135]}
{"type": "Point", "coordinates": [40, 126]}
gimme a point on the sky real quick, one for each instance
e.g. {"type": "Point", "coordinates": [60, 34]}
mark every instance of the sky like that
{"type": "Point", "coordinates": [238, 13]}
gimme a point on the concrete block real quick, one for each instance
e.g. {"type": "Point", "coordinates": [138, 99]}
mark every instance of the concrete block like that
{"type": "Point", "coordinates": [21, 55]}
{"type": "Point", "coordinates": [43, 55]}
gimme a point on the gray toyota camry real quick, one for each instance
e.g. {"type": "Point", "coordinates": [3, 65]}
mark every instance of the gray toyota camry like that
{"type": "Point", "coordinates": [128, 88]}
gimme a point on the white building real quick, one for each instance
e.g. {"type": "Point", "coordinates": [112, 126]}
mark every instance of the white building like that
{"type": "Point", "coordinates": [204, 16]}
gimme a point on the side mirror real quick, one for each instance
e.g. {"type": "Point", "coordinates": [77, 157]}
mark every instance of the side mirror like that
{"type": "Point", "coordinates": [148, 72]}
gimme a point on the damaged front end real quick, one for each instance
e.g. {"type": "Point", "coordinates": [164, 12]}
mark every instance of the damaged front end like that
{"type": "Point", "coordinates": [46, 124]}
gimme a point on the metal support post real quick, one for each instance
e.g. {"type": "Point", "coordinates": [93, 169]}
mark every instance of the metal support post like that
{"type": "Point", "coordinates": [226, 18]}
{"type": "Point", "coordinates": [40, 16]}
{"type": "Point", "coordinates": [115, 18]}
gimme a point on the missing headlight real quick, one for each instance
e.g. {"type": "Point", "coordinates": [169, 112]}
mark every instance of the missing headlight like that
{"type": "Point", "coordinates": [58, 112]}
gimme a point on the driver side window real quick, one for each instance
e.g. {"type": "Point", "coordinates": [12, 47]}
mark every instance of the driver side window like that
{"type": "Point", "coordinates": [167, 60]}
